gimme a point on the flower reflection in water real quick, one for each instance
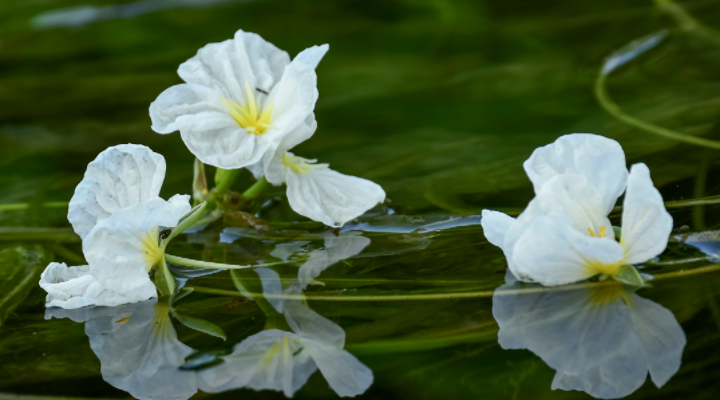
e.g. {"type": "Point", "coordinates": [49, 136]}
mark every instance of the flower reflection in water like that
{"type": "Point", "coordinates": [602, 339]}
{"type": "Point", "coordinates": [140, 353]}
{"type": "Point", "coordinates": [138, 348]}
{"type": "Point", "coordinates": [280, 360]}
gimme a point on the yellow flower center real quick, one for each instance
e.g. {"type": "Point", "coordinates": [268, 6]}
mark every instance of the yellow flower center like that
{"type": "Point", "coordinates": [596, 266]}
{"type": "Point", "coordinates": [152, 252]}
{"type": "Point", "coordinates": [301, 165]}
{"type": "Point", "coordinates": [248, 116]}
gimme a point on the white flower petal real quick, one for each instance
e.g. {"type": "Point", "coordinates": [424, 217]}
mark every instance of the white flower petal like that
{"type": "Point", "coordinates": [74, 287]}
{"type": "Point", "coordinates": [599, 159]}
{"type": "Point", "coordinates": [336, 249]}
{"type": "Point", "coordinates": [179, 100]}
{"type": "Point", "coordinates": [550, 251]}
{"type": "Point", "coordinates": [226, 66]}
{"type": "Point", "coordinates": [272, 165]}
{"type": "Point", "coordinates": [646, 225]}
{"type": "Point", "coordinates": [330, 197]}
{"type": "Point", "coordinates": [495, 225]}
{"type": "Point", "coordinates": [114, 248]}
{"type": "Point", "coordinates": [120, 177]}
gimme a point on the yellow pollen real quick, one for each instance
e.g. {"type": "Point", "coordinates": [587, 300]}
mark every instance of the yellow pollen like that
{"type": "Point", "coordinates": [591, 232]}
{"type": "Point", "coordinates": [153, 253]}
{"type": "Point", "coordinates": [602, 231]}
{"type": "Point", "coordinates": [301, 165]}
{"type": "Point", "coordinates": [248, 116]}
{"type": "Point", "coordinates": [126, 319]}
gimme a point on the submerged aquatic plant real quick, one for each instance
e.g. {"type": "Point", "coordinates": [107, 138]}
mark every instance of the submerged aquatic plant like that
{"type": "Point", "coordinates": [241, 97]}
{"type": "Point", "coordinates": [564, 235]}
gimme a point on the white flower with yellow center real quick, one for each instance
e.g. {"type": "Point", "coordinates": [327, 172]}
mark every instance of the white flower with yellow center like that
{"type": "Point", "coordinates": [118, 214]}
{"type": "Point", "coordinates": [241, 97]}
{"type": "Point", "coordinates": [278, 360]}
{"type": "Point", "coordinates": [564, 234]}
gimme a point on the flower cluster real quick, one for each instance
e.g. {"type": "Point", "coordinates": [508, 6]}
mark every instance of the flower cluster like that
{"type": "Point", "coordinates": [564, 235]}
{"type": "Point", "coordinates": [245, 104]}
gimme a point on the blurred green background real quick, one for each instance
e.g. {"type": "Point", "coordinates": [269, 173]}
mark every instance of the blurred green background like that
{"type": "Point", "coordinates": [439, 101]}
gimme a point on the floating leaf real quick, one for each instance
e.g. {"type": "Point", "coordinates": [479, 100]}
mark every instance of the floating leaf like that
{"type": "Point", "coordinates": [201, 325]}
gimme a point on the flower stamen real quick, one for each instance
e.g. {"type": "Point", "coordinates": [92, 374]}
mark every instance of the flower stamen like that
{"type": "Point", "coordinates": [152, 251]}
{"type": "Point", "coordinates": [248, 116]}
{"type": "Point", "coordinates": [300, 165]}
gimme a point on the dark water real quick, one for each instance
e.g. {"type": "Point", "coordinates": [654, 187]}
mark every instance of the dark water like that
{"type": "Point", "coordinates": [437, 101]}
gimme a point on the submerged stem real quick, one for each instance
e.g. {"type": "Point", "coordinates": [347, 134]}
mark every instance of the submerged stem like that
{"type": "Point", "coordinates": [611, 107]}
{"type": "Point", "coordinates": [25, 206]}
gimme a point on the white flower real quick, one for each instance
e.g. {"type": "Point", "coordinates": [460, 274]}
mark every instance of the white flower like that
{"type": "Point", "coordinates": [138, 349]}
{"type": "Point", "coordinates": [241, 97]}
{"type": "Point", "coordinates": [283, 361]}
{"type": "Point", "coordinates": [602, 340]}
{"type": "Point", "coordinates": [117, 212]}
{"type": "Point", "coordinates": [564, 235]}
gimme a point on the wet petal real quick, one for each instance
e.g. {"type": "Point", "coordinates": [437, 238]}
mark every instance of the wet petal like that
{"type": "Point", "coordinates": [120, 177]}
{"type": "Point", "coordinates": [179, 100]}
{"type": "Point", "coordinates": [552, 252]}
{"type": "Point", "coordinates": [271, 165]}
{"type": "Point", "coordinates": [226, 66]}
{"type": "Point", "coordinates": [74, 287]}
{"type": "Point", "coordinates": [646, 224]}
{"type": "Point", "coordinates": [308, 324]}
{"type": "Point", "coordinates": [495, 225]}
{"type": "Point", "coordinates": [600, 160]}
{"type": "Point", "coordinates": [331, 197]}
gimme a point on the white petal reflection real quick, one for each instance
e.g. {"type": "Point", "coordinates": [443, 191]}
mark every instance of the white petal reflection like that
{"type": "Point", "coordinates": [603, 340]}
{"type": "Point", "coordinates": [279, 360]}
{"type": "Point", "coordinates": [138, 349]}
{"type": "Point", "coordinates": [337, 248]}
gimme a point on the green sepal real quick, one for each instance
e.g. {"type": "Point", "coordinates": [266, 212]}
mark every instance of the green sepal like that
{"type": "Point", "coordinates": [200, 325]}
{"type": "Point", "coordinates": [187, 221]}
{"type": "Point", "coordinates": [163, 279]}
{"type": "Point", "coordinates": [629, 275]}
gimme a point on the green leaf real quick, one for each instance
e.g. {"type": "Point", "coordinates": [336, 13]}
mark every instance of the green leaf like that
{"type": "Point", "coordinates": [629, 275]}
{"type": "Point", "coordinates": [201, 325]}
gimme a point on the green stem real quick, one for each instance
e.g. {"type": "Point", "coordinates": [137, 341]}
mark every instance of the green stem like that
{"type": "Point", "coordinates": [256, 189]}
{"type": "Point", "coordinates": [25, 206]}
{"type": "Point", "coordinates": [226, 178]}
{"type": "Point", "coordinates": [187, 262]}
{"type": "Point", "coordinates": [611, 107]}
